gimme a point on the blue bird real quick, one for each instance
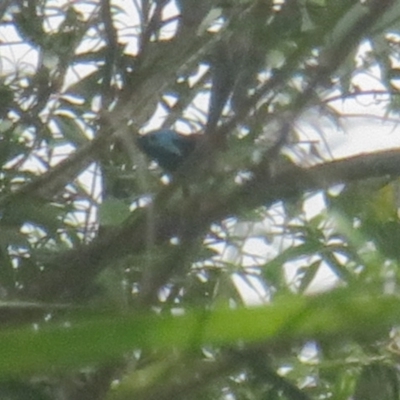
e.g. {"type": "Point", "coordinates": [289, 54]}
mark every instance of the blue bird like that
{"type": "Point", "coordinates": [167, 147]}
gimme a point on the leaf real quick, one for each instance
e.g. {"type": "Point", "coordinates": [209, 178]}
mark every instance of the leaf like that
{"type": "Point", "coordinates": [72, 132]}
{"type": "Point", "coordinates": [377, 381]}
{"type": "Point", "coordinates": [309, 274]}
{"type": "Point", "coordinates": [26, 209]}
{"type": "Point", "coordinates": [113, 212]}
{"type": "Point", "coordinates": [88, 337]}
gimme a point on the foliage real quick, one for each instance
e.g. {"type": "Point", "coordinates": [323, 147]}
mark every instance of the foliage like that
{"type": "Point", "coordinates": [262, 268]}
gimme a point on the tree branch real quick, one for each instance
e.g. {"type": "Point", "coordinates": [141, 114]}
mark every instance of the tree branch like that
{"type": "Point", "coordinates": [70, 274]}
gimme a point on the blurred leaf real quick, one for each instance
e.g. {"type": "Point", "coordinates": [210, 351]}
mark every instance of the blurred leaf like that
{"type": "Point", "coordinates": [19, 390]}
{"type": "Point", "coordinates": [377, 381]}
{"type": "Point", "coordinates": [30, 210]}
{"type": "Point", "coordinates": [6, 99]}
{"type": "Point", "coordinates": [113, 212]}
{"type": "Point", "coordinates": [72, 132]}
{"type": "Point", "coordinates": [309, 274]}
{"type": "Point", "coordinates": [340, 315]}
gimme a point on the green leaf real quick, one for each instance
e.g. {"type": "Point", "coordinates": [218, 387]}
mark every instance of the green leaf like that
{"type": "Point", "coordinates": [113, 212]}
{"type": "Point", "coordinates": [377, 381]}
{"type": "Point", "coordinates": [72, 132]}
{"type": "Point", "coordinates": [341, 315]}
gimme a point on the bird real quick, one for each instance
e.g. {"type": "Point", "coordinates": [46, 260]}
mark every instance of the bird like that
{"type": "Point", "coordinates": [167, 147]}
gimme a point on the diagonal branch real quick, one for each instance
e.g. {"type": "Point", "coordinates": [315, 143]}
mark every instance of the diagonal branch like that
{"type": "Point", "coordinates": [70, 274]}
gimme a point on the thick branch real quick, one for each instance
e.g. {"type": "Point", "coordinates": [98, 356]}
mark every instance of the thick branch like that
{"type": "Point", "coordinates": [70, 273]}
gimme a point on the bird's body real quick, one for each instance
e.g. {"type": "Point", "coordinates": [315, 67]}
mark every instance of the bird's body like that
{"type": "Point", "coordinates": [167, 147]}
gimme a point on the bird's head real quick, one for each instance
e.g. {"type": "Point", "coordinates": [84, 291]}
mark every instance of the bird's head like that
{"type": "Point", "coordinates": [168, 147]}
